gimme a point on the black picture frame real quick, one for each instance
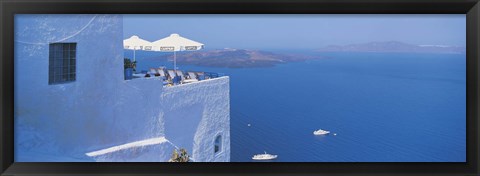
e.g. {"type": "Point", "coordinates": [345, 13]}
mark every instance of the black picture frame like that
{"type": "Point", "coordinates": [8, 8]}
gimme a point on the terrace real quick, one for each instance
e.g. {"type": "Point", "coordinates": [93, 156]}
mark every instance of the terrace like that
{"type": "Point", "coordinates": [172, 77]}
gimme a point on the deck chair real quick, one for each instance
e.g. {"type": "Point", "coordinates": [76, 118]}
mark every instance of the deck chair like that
{"type": "Point", "coordinates": [180, 74]}
{"type": "Point", "coordinates": [193, 78]}
{"type": "Point", "coordinates": [161, 72]}
{"type": "Point", "coordinates": [154, 72]}
{"type": "Point", "coordinates": [183, 78]}
{"type": "Point", "coordinates": [200, 75]}
{"type": "Point", "coordinates": [173, 77]}
{"type": "Point", "coordinates": [192, 75]}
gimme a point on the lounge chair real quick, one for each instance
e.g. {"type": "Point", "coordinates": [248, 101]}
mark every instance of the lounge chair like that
{"type": "Point", "coordinates": [211, 75]}
{"type": "Point", "coordinates": [192, 78]}
{"type": "Point", "coordinates": [200, 75]}
{"type": "Point", "coordinates": [192, 75]}
{"type": "Point", "coordinates": [171, 74]}
{"type": "Point", "coordinates": [154, 72]}
{"type": "Point", "coordinates": [180, 74]}
{"type": "Point", "coordinates": [183, 79]}
{"type": "Point", "coordinates": [173, 77]}
{"type": "Point", "coordinates": [161, 72]}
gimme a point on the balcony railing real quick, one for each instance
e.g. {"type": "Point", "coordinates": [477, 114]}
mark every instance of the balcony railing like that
{"type": "Point", "coordinates": [176, 77]}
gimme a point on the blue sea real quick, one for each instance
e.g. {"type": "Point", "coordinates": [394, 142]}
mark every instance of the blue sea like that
{"type": "Point", "coordinates": [384, 107]}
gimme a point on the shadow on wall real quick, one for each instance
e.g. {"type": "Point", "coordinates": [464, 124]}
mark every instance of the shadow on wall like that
{"type": "Point", "coordinates": [181, 125]}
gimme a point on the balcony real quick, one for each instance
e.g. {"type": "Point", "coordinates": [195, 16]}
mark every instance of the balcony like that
{"type": "Point", "coordinates": [176, 77]}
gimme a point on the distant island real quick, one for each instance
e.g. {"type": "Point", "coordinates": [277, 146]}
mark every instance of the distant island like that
{"type": "Point", "coordinates": [235, 58]}
{"type": "Point", "coordinates": [393, 46]}
{"type": "Point", "coordinates": [244, 58]}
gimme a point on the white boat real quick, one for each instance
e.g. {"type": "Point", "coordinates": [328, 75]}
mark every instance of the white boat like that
{"type": "Point", "coordinates": [264, 157]}
{"type": "Point", "coordinates": [321, 132]}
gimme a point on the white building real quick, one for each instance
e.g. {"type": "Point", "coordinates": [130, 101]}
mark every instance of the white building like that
{"type": "Point", "coordinates": [71, 99]}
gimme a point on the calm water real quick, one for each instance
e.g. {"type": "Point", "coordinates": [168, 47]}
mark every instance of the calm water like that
{"type": "Point", "coordinates": [384, 107]}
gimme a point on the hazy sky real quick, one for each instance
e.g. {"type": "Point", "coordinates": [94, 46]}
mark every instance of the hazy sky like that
{"type": "Point", "coordinates": [299, 31]}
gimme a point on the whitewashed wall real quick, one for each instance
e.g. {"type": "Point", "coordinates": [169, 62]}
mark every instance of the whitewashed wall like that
{"type": "Point", "coordinates": [99, 110]}
{"type": "Point", "coordinates": [195, 114]}
{"type": "Point", "coordinates": [191, 116]}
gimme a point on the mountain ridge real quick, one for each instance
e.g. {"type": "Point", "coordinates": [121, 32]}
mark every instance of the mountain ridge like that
{"type": "Point", "coordinates": [393, 47]}
{"type": "Point", "coordinates": [236, 58]}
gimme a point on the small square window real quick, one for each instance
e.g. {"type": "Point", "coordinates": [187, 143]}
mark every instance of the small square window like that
{"type": "Point", "coordinates": [62, 64]}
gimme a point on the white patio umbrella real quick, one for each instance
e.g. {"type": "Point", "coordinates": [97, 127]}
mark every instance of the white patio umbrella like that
{"type": "Point", "coordinates": [135, 42]}
{"type": "Point", "coordinates": [174, 43]}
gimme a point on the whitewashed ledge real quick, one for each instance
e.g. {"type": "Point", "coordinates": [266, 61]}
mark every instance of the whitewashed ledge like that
{"type": "Point", "coordinates": [149, 150]}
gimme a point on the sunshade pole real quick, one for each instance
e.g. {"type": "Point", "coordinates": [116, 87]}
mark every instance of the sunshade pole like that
{"type": "Point", "coordinates": [134, 53]}
{"type": "Point", "coordinates": [175, 61]}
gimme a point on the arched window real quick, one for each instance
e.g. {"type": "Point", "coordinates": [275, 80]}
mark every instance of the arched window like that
{"type": "Point", "coordinates": [218, 143]}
